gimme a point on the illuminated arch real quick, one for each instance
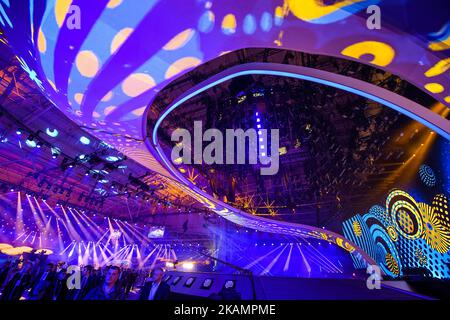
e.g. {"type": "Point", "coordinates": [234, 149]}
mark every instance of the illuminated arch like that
{"type": "Point", "coordinates": [385, 97]}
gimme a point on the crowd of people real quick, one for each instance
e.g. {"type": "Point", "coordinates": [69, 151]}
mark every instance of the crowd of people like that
{"type": "Point", "coordinates": [36, 279]}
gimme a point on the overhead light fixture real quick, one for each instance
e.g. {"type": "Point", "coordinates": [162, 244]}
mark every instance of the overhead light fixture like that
{"type": "Point", "coordinates": [55, 152]}
{"type": "Point", "coordinates": [83, 158]}
{"type": "Point", "coordinates": [113, 158]}
{"type": "Point", "coordinates": [30, 143]}
{"type": "Point", "coordinates": [52, 132]}
{"type": "Point", "coordinates": [19, 131]}
{"type": "Point", "coordinates": [84, 140]}
{"type": "Point", "coordinates": [103, 144]}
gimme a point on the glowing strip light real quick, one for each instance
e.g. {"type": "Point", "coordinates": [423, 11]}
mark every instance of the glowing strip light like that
{"type": "Point", "coordinates": [305, 261]}
{"type": "Point", "coordinates": [278, 70]}
{"type": "Point", "coordinates": [288, 260]}
{"type": "Point", "coordinates": [272, 263]}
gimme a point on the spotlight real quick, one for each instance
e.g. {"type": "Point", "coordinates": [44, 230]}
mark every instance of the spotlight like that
{"type": "Point", "coordinates": [52, 132]}
{"type": "Point", "coordinates": [39, 144]}
{"type": "Point", "coordinates": [55, 152]}
{"type": "Point", "coordinates": [84, 140]}
{"type": "Point", "coordinates": [19, 131]}
{"type": "Point", "coordinates": [188, 265]}
{"type": "Point", "coordinates": [112, 158]}
{"type": "Point", "coordinates": [83, 158]}
{"type": "Point", "coordinates": [30, 143]}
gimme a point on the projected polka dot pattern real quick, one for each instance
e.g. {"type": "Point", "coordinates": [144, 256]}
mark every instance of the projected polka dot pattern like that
{"type": "Point", "coordinates": [405, 214]}
{"type": "Point", "coordinates": [427, 175]}
{"type": "Point", "coordinates": [179, 40]}
{"type": "Point", "coordinates": [421, 257]}
{"type": "Point", "coordinates": [120, 38]}
{"type": "Point", "coordinates": [87, 63]}
{"type": "Point", "coordinates": [137, 83]}
{"type": "Point", "coordinates": [181, 65]}
{"type": "Point", "coordinates": [392, 264]}
{"type": "Point", "coordinates": [401, 244]}
{"type": "Point", "coordinates": [380, 213]}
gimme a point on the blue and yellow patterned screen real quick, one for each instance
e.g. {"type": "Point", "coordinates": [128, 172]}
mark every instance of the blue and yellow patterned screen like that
{"type": "Point", "coordinates": [410, 231]}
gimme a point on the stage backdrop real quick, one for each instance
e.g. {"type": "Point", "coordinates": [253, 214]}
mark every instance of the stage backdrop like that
{"type": "Point", "coordinates": [408, 232]}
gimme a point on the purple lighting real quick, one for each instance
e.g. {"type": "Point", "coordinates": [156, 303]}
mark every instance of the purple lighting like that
{"type": "Point", "coordinates": [326, 94]}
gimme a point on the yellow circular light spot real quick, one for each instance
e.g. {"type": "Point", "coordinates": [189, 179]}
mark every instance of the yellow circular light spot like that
{"type": "Point", "coordinates": [382, 53]}
{"type": "Point", "coordinates": [42, 43]}
{"type": "Point", "coordinates": [434, 87]}
{"type": "Point", "coordinates": [137, 83]}
{"type": "Point", "coordinates": [139, 111]}
{"type": "Point", "coordinates": [439, 68]}
{"type": "Point", "coordinates": [78, 97]}
{"type": "Point", "coordinates": [308, 10]}
{"type": "Point", "coordinates": [229, 23]}
{"type": "Point", "coordinates": [108, 110]}
{"type": "Point", "coordinates": [107, 96]}
{"type": "Point", "coordinates": [279, 12]}
{"type": "Point", "coordinates": [61, 9]}
{"type": "Point", "coordinates": [113, 3]}
{"type": "Point", "coordinates": [181, 65]}
{"type": "Point", "coordinates": [447, 99]}
{"type": "Point", "coordinates": [180, 40]}
{"type": "Point", "coordinates": [120, 38]}
{"type": "Point", "coordinates": [87, 63]}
